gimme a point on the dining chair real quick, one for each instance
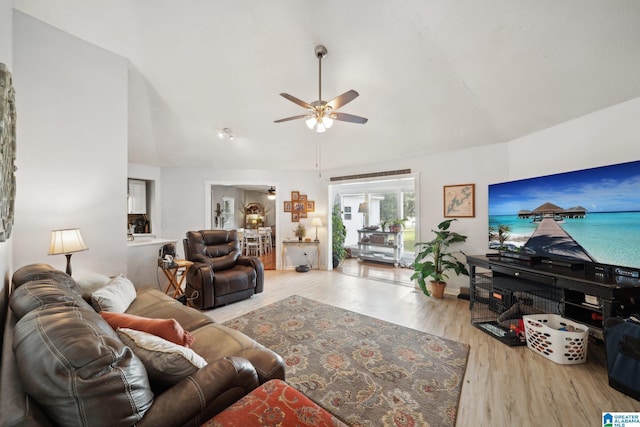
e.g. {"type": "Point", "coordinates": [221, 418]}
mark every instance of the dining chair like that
{"type": "Point", "coordinates": [240, 232]}
{"type": "Point", "coordinates": [265, 237]}
{"type": "Point", "coordinates": [252, 242]}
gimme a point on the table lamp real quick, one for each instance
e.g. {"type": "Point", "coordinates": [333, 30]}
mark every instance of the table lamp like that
{"type": "Point", "coordinates": [363, 208]}
{"type": "Point", "coordinates": [317, 222]}
{"type": "Point", "coordinates": [66, 241]}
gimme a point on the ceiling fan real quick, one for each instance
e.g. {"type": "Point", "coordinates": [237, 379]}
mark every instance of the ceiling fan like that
{"type": "Point", "coordinates": [271, 193]}
{"type": "Point", "coordinates": [321, 114]}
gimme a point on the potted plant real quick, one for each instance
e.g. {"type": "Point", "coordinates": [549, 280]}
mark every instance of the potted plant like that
{"type": "Point", "coordinates": [339, 234]}
{"type": "Point", "coordinates": [300, 232]}
{"type": "Point", "coordinates": [434, 259]}
{"type": "Point", "coordinates": [396, 225]}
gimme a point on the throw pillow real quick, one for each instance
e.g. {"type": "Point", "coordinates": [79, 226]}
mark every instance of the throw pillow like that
{"type": "Point", "coordinates": [169, 329]}
{"type": "Point", "coordinates": [165, 362]}
{"type": "Point", "coordinates": [116, 296]}
{"type": "Point", "coordinates": [92, 282]}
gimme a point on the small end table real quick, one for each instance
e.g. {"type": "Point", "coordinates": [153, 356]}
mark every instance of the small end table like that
{"type": "Point", "coordinates": [172, 274]}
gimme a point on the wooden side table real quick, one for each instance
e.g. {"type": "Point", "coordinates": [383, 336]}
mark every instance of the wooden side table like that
{"type": "Point", "coordinates": [171, 273]}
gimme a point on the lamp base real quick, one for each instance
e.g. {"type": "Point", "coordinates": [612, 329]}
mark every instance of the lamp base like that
{"type": "Point", "coordinates": [68, 270]}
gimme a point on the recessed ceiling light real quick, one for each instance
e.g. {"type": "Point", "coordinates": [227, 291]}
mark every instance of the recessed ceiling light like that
{"type": "Point", "coordinates": [226, 132]}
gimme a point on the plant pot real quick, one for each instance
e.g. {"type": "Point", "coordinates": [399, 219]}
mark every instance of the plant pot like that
{"type": "Point", "coordinates": [335, 261]}
{"type": "Point", "coordinates": [395, 228]}
{"type": "Point", "coordinates": [437, 289]}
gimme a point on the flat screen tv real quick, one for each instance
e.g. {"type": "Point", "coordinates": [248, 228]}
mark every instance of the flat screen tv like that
{"type": "Point", "coordinates": [589, 215]}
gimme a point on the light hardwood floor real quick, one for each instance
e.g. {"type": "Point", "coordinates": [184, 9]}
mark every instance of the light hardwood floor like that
{"type": "Point", "coordinates": [503, 386]}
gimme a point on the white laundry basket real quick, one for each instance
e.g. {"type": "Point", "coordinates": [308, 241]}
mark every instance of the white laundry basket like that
{"type": "Point", "coordinates": [564, 347]}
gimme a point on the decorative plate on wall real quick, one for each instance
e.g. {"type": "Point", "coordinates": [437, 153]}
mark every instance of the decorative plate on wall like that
{"type": "Point", "coordinates": [7, 152]}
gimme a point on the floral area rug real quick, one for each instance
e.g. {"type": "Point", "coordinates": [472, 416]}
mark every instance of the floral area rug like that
{"type": "Point", "coordinates": [366, 371]}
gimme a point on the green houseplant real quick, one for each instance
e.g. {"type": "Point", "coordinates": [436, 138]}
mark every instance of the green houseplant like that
{"type": "Point", "coordinates": [396, 225]}
{"type": "Point", "coordinates": [339, 233]}
{"type": "Point", "coordinates": [434, 259]}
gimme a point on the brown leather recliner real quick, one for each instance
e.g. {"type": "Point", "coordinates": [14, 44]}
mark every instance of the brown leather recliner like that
{"type": "Point", "coordinates": [220, 273]}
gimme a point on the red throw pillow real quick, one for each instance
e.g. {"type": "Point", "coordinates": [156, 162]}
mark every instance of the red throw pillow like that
{"type": "Point", "coordinates": [169, 329]}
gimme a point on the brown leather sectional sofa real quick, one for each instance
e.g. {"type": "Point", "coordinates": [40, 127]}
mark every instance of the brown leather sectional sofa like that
{"type": "Point", "coordinates": [62, 364]}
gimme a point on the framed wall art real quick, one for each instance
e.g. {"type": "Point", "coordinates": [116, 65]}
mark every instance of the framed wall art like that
{"type": "Point", "coordinates": [299, 206]}
{"type": "Point", "coordinates": [311, 206]}
{"type": "Point", "coordinates": [7, 152]}
{"type": "Point", "coordinates": [459, 201]}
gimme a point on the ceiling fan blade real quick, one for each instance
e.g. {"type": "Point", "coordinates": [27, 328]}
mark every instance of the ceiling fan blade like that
{"type": "Point", "coordinates": [296, 100]}
{"type": "Point", "coordinates": [302, 116]}
{"type": "Point", "coordinates": [349, 118]}
{"type": "Point", "coordinates": [343, 99]}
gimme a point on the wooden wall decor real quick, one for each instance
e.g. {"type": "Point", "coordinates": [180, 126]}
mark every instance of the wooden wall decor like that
{"type": "Point", "coordinates": [7, 152]}
{"type": "Point", "coordinates": [299, 206]}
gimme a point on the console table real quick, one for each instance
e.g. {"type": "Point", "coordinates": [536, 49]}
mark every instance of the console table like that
{"type": "Point", "coordinates": [380, 246]}
{"type": "Point", "coordinates": [287, 244]}
{"type": "Point", "coordinates": [585, 293]}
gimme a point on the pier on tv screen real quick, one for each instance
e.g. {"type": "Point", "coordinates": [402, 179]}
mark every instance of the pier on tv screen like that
{"type": "Point", "coordinates": [590, 215]}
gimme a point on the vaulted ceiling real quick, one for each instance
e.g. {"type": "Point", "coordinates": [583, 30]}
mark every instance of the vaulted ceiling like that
{"type": "Point", "coordinates": [433, 75]}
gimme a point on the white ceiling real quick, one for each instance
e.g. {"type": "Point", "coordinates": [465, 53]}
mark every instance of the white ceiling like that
{"type": "Point", "coordinates": [433, 75]}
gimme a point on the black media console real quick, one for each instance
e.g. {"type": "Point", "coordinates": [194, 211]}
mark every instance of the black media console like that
{"type": "Point", "coordinates": [503, 287]}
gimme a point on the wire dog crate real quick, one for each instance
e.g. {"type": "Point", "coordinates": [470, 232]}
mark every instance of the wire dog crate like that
{"type": "Point", "coordinates": [499, 302]}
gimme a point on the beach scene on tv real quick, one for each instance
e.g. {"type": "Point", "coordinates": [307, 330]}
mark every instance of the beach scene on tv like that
{"type": "Point", "coordinates": [589, 215]}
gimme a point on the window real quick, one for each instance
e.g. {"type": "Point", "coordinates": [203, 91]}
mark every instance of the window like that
{"type": "Point", "coordinates": [389, 201]}
{"type": "Point", "coordinates": [347, 213]}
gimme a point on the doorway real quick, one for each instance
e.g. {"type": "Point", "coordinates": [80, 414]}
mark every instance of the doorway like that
{"type": "Point", "coordinates": [240, 205]}
{"type": "Point", "coordinates": [378, 204]}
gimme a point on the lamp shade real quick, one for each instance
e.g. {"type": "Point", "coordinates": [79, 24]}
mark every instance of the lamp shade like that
{"type": "Point", "coordinates": [316, 221]}
{"type": "Point", "coordinates": [363, 207]}
{"type": "Point", "coordinates": [66, 241]}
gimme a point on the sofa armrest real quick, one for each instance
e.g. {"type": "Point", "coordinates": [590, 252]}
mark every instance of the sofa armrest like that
{"type": "Point", "coordinates": [199, 287]}
{"type": "Point", "coordinates": [257, 265]}
{"type": "Point", "coordinates": [268, 364]}
{"type": "Point", "coordinates": [190, 401]}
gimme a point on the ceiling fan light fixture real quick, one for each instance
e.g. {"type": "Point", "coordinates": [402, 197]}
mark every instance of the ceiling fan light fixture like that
{"type": "Point", "coordinates": [311, 122]}
{"type": "Point", "coordinates": [320, 114]}
{"type": "Point", "coordinates": [272, 193]}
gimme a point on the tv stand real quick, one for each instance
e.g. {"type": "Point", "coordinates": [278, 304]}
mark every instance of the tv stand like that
{"type": "Point", "coordinates": [582, 293]}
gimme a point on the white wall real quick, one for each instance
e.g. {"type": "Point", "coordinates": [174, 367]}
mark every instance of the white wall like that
{"type": "Point", "coordinates": [605, 137]}
{"type": "Point", "coordinates": [72, 158]}
{"type": "Point", "coordinates": [71, 101]}
{"type": "Point", "coordinates": [6, 33]}
{"type": "Point", "coordinates": [184, 195]}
